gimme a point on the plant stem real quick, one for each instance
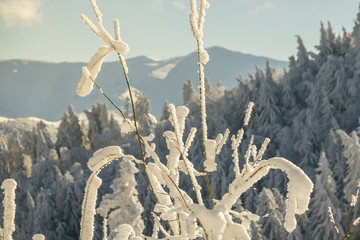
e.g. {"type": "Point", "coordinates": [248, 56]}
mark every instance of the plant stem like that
{"type": "Point", "coordinates": [203, 117]}
{"type": "Point", "coordinates": [123, 64]}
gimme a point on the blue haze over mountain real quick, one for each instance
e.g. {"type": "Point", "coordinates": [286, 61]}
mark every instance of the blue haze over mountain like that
{"type": "Point", "coordinates": [45, 89]}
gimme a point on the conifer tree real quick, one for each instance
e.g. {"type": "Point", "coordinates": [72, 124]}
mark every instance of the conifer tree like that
{"type": "Point", "coordinates": [272, 219]}
{"type": "Point", "coordinates": [352, 154]}
{"type": "Point", "coordinates": [122, 205]}
{"type": "Point", "coordinates": [14, 157]}
{"type": "Point", "coordinates": [69, 133]}
{"type": "Point", "coordinates": [189, 93]}
{"type": "Point", "coordinates": [165, 113]}
{"type": "Point", "coordinates": [3, 153]}
{"type": "Point", "coordinates": [44, 143]}
{"type": "Point", "coordinates": [320, 225]}
{"type": "Point", "coordinates": [324, 47]}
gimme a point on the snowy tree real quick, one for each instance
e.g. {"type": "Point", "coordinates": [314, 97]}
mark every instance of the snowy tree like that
{"type": "Point", "coordinates": [352, 154]}
{"type": "Point", "coordinates": [189, 93]}
{"type": "Point", "coordinates": [3, 153]}
{"type": "Point", "coordinates": [98, 124]}
{"type": "Point", "coordinates": [325, 46]}
{"type": "Point", "coordinates": [165, 111]}
{"type": "Point", "coordinates": [14, 157]}
{"type": "Point", "coordinates": [337, 161]}
{"type": "Point", "coordinates": [44, 144]}
{"type": "Point", "coordinates": [69, 133]}
{"type": "Point", "coordinates": [122, 206]}
{"type": "Point", "coordinates": [267, 101]}
{"type": "Point", "coordinates": [320, 225]}
{"type": "Point", "coordinates": [272, 218]}
{"type": "Point", "coordinates": [142, 107]}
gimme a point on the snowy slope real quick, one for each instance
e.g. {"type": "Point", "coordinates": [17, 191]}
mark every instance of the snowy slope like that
{"type": "Point", "coordinates": [43, 89]}
{"type": "Point", "coordinates": [9, 125]}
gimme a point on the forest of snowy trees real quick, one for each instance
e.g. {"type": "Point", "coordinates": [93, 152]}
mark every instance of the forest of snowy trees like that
{"type": "Point", "coordinates": [310, 111]}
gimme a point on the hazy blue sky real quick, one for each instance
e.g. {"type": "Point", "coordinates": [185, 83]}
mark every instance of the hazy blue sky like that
{"type": "Point", "coordinates": [52, 30]}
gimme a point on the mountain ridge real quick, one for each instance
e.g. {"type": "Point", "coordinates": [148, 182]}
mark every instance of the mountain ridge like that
{"type": "Point", "coordinates": [45, 89]}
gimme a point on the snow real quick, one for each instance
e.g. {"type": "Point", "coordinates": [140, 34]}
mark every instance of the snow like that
{"type": "Point", "coordinates": [354, 198]}
{"type": "Point", "coordinates": [356, 221]}
{"type": "Point", "coordinates": [128, 126]}
{"type": "Point", "coordinates": [93, 67]}
{"type": "Point", "coordinates": [248, 113]}
{"type": "Point", "coordinates": [38, 237]}
{"type": "Point", "coordinates": [209, 163]}
{"type": "Point", "coordinates": [235, 143]}
{"type": "Point", "coordinates": [88, 207]}
{"type": "Point", "coordinates": [9, 186]}
{"type": "Point", "coordinates": [85, 85]}
{"type": "Point", "coordinates": [152, 118]}
{"type": "Point", "coordinates": [162, 73]}
{"type": "Point", "coordinates": [124, 232]}
{"type": "Point", "coordinates": [213, 221]}
{"type": "Point", "coordinates": [103, 157]}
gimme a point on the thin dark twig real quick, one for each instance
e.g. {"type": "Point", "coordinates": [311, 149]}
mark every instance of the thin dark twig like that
{"type": "Point", "coordinates": [103, 93]}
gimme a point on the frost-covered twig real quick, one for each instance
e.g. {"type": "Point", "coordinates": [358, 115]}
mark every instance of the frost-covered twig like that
{"type": "Point", "coordinates": [9, 186]}
{"type": "Point", "coordinates": [248, 114]}
{"type": "Point", "coordinates": [196, 22]}
{"type": "Point", "coordinates": [104, 228]}
{"type": "Point", "coordinates": [333, 221]}
{"type": "Point", "coordinates": [299, 187]}
{"type": "Point", "coordinates": [235, 142]}
{"type": "Point", "coordinates": [38, 237]}
{"type": "Point", "coordinates": [99, 160]}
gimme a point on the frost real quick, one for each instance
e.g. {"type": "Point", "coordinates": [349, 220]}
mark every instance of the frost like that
{"type": "Point", "coordinates": [209, 163]}
{"type": "Point", "coordinates": [92, 70]}
{"type": "Point", "coordinates": [88, 207]}
{"type": "Point", "coordinates": [85, 85]}
{"type": "Point", "coordinates": [204, 56]}
{"type": "Point", "coordinates": [95, 63]}
{"type": "Point", "coordinates": [248, 113]}
{"type": "Point", "coordinates": [185, 215]}
{"type": "Point", "coordinates": [9, 186]}
{"type": "Point", "coordinates": [124, 232]}
{"type": "Point", "coordinates": [152, 118]}
{"type": "Point", "coordinates": [356, 221]}
{"type": "Point", "coordinates": [38, 237]}
{"type": "Point", "coordinates": [221, 140]}
{"type": "Point", "coordinates": [212, 220]}
{"type": "Point", "coordinates": [103, 157]}
{"type": "Point", "coordinates": [128, 126]}
{"type": "Point", "coordinates": [299, 187]}
{"type": "Point", "coordinates": [331, 215]}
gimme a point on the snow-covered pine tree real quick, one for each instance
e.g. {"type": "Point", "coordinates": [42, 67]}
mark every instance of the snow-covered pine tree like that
{"type": "Point", "coordinates": [122, 206]}
{"type": "Point", "coordinates": [3, 153]}
{"type": "Point", "coordinates": [325, 46]}
{"type": "Point", "coordinates": [142, 107]}
{"type": "Point", "coordinates": [98, 125]}
{"type": "Point", "coordinates": [271, 218]}
{"type": "Point", "coordinates": [69, 133]}
{"type": "Point", "coordinates": [165, 111]}
{"type": "Point", "coordinates": [320, 225]}
{"type": "Point", "coordinates": [14, 157]}
{"type": "Point", "coordinates": [352, 154]}
{"type": "Point", "coordinates": [267, 102]}
{"type": "Point", "coordinates": [189, 93]}
{"type": "Point", "coordinates": [44, 144]}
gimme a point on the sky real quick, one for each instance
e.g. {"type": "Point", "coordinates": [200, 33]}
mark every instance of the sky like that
{"type": "Point", "coordinates": [50, 30]}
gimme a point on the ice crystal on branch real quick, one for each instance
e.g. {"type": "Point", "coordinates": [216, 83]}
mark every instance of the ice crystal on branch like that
{"type": "Point", "coordinates": [90, 72]}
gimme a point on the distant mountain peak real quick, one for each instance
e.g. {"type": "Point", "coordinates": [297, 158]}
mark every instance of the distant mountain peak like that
{"type": "Point", "coordinates": [45, 89]}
